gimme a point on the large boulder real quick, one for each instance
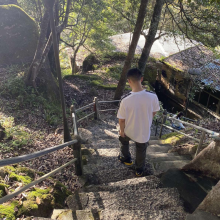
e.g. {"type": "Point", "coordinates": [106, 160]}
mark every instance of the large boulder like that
{"type": "Point", "coordinates": [190, 192]}
{"type": "Point", "coordinates": [207, 161]}
{"type": "Point", "coordinates": [211, 203]}
{"type": "Point", "coordinates": [18, 36]}
{"type": "Point", "coordinates": [89, 62]}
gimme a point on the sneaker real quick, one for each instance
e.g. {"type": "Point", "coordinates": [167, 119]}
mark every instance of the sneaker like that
{"type": "Point", "coordinates": [127, 162]}
{"type": "Point", "coordinates": [139, 173]}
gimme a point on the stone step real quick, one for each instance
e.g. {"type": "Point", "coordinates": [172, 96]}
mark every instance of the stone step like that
{"type": "Point", "coordinates": [129, 215]}
{"type": "Point", "coordinates": [163, 166]}
{"type": "Point", "coordinates": [165, 157]}
{"type": "Point", "coordinates": [85, 215]}
{"type": "Point", "coordinates": [132, 199]}
{"type": "Point", "coordinates": [156, 141]}
{"type": "Point", "coordinates": [201, 215]}
{"type": "Point", "coordinates": [155, 148]}
{"type": "Point", "coordinates": [140, 215]}
{"type": "Point", "coordinates": [100, 163]}
{"type": "Point", "coordinates": [148, 182]}
{"type": "Point", "coordinates": [95, 175]}
{"type": "Point", "coordinates": [62, 214]}
{"type": "Point", "coordinates": [38, 218]}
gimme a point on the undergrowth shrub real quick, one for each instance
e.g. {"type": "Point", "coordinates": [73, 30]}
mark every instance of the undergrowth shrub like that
{"type": "Point", "coordinates": [27, 97]}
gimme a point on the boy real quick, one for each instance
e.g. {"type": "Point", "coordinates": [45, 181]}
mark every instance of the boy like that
{"type": "Point", "coordinates": [135, 115]}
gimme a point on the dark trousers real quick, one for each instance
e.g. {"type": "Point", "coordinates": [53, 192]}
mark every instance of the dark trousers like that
{"type": "Point", "coordinates": [140, 152]}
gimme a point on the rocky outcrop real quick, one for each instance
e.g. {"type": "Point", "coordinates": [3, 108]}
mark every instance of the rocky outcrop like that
{"type": "Point", "coordinates": [207, 161]}
{"type": "Point", "coordinates": [211, 202]}
{"type": "Point", "coordinates": [18, 36]}
{"type": "Point", "coordinates": [89, 62]}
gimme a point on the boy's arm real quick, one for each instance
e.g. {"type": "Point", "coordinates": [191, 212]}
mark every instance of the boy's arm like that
{"type": "Point", "coordinates": [154, 113]}
{"type": "Point", "coordinates": [122, 127]}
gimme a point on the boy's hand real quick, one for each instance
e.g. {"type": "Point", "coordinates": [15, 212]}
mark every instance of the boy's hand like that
{"type": "Point", "coordinates": [122, 134]}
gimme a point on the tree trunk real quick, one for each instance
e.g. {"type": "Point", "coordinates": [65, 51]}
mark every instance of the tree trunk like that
{"type": "Point", "coordinates": [42, 51]}
{"type": "Point", "coordinates": [132, 48]}
{"type": "Point", "coordinates": [34, 68]}
{"type": "Point", "coordinates": [74, 66]}
{"type": "Point", "coordinates": [51, 51]}
{"type": "Point", "coordinates": [207, 161]}
{"type": "Point", "coordinates": [150, 38]}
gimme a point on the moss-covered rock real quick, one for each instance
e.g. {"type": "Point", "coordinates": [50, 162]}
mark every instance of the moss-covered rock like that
{"type": "Point", "coordinates": [38, 202]}
{"type": "Point", "coordinates": [7, 211]}
{"type": "Point", "coordinates": [2, 189]}
{"type": "Point", "coordinates": [89, 62]}
{"type": "Point", "coordinates": [60, 194]}
{"type": "Point", "coordinates": [19, 36]}
{"type": "Point", "coordinates": [171, 138]}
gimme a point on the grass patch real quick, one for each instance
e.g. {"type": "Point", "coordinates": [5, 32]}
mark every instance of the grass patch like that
{"type": "Point", "coordinates": [7, 211]}
{"type": "Point", "coordinates": [99, 83]}
{"type": "Point", "coordinates": [82, 76]}
{"type": "Point", "coordinates": [171, 138]}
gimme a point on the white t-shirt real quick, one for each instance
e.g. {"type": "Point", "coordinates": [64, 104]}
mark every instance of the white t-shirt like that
{"type": "Point", "coordinates": [137, 109]}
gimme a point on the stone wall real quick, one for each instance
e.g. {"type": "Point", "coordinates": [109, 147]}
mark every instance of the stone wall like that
{"type": "Point", "coordinates": [19, 36]}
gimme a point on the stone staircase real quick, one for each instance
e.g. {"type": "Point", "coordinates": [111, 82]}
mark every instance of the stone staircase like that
{"type": "Point", "coordinates": [112, 191]}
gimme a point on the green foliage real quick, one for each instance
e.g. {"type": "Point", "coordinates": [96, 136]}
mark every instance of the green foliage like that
{"type": "Point", "coordinates": [114, 72]}
{"type": "Point", "coordinates": [171, 138]}
{"type": "Point", "coordinates": [82, 76]}
{"type": "Point", "coordinates": [16, 136]}
{"type": "Point", "coordinates": [23, 179]}
{"type": "Point", "coordinates": [2, 189]}
{"type": "Point", "coordinates": [100, 84]}
{"type": "Point", "coordinates": [15, 88]}
{"type": "Point", "coordinates": [7, 210]}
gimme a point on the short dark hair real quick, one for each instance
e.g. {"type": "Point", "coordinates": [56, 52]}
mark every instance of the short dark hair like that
{"type": "Point", "coordinates": [180, 114]}
{"type": "Point", "coordinates": [134, 74]}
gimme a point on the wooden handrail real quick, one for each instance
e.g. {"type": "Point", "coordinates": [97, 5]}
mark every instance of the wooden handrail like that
{"type": "Point", "coordinates": [84, 107]}
{"type": "Point", "coordinates": [194, 126]}
{"type": "Point", "coordinates": [22, 158]}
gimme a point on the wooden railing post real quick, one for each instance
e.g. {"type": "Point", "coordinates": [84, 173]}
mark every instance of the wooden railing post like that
{"type": "Point", "coordinates": [78, 154]}
{"type": "Point", "coordinates": [96, 108]}
{"type": "Point", "coordinates": [74, 120]}
{"type": "Point", "coordinates": [163, 122]}
{"type": "Point", "coordinates": [200, 142]}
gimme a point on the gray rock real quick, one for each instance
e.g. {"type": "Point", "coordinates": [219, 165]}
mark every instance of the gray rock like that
{"type": "Point", "coordinates": [130, 199]}
{"type": "Point", "coordinates": [19, 36]}
{"type": "Point", "coordinates": [62, 214]}
{"type": "Point", "coordinates": [148, 182]}
{"type": "Point", "coordinates": [84, 215]}
{"type": "Point", "coordinates": [140, 215]}
{"type": "Point", "coordinates": [201, 215]}
{"type": "Point", "coordinates": [161, 148]}
{"type": "Point", "coordinates": [191, 193]}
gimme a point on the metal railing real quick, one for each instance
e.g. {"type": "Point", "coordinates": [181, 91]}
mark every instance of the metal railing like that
{"type": "Point", "coordinates": [75, 145]}
{"type": "Point", "coordinates": [213, 134]}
